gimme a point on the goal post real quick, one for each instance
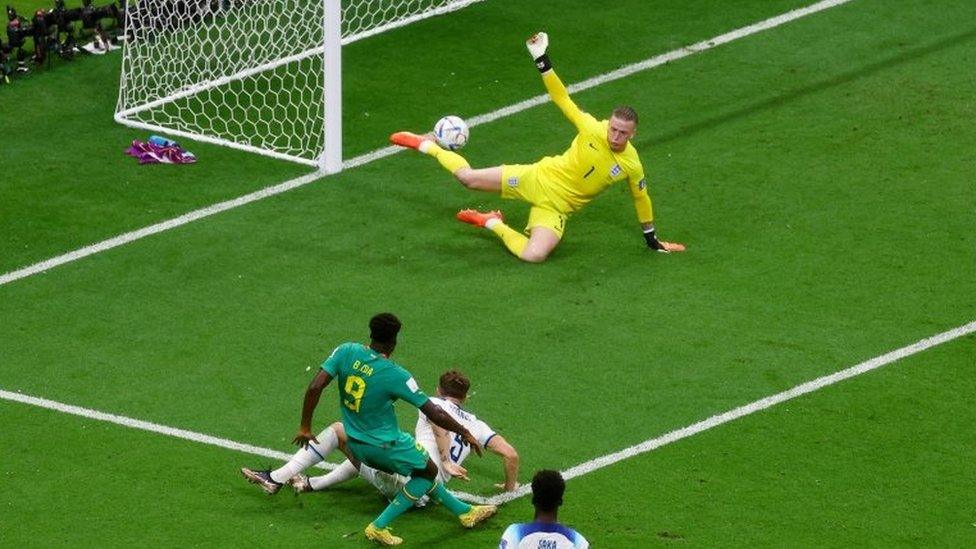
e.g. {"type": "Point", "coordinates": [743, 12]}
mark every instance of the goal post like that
{"type": "Point", "coordinates": [330, 161]}
{"type": "Point", "coordinates": [264, 76]}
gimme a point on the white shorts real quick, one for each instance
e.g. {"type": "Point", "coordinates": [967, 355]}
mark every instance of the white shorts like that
{"type": "Point", "coordinates": [387, 483]}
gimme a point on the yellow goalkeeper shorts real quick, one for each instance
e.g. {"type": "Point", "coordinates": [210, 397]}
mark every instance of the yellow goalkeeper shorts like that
{"type": "Point", "coordinates": [544, 217]}
{"type": "Point", "coordinates": [521, 181]}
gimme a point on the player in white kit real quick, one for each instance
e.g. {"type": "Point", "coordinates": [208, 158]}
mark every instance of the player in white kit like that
{"type": "Point", "coordinates": [545, 532]}
{"type": "Point", "coordinates": [446, 450]}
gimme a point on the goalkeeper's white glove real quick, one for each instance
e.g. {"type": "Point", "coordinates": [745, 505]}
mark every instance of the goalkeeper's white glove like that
{"type": "Point", "coordinates": [537, 44]}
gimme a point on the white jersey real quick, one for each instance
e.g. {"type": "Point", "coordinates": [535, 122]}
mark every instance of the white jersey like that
{"type": "Point", "coordinates": [459, 449]}
{"type": "Point", "coordinates": [542, 535]}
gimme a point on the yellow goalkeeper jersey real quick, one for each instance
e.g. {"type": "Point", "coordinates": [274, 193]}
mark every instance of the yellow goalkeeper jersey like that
{"type": "Point", "coordinates": [589, 166]}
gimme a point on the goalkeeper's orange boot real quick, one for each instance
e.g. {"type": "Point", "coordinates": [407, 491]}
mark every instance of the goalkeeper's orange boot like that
{"type": "Point", "coordinates": [407, 139]}
{"type": "Point", "coordinates": [474, 217]}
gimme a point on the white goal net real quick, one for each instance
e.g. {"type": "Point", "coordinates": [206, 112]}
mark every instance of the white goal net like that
{"type": "Point", "coordinates": [258, 75]}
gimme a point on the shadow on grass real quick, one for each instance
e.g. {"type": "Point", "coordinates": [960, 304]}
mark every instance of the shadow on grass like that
{"type": "Point", "coordinates": [810, 89]}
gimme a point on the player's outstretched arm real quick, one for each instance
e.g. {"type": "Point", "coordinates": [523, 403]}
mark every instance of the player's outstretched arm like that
{"type": "Point", "coordinates": [312, 395]}
{"type": "Point", "coordinates": [443, 441]}
{"type": "Point", "coordinates": [537, 45]}
{"type": "Point", "coordinates": [498, 445]}
{"type": "Point", "coordinates": [650, 236]}
{"type": "Point", "coordinates": [645, 214]}
{"type": "Point", "coordinates": [442, 419]}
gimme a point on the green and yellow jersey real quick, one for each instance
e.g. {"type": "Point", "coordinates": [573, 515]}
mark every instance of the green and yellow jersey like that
{"type": "Point", "coordinates": [369, 385]}
{"type": "Point", "coordinates": [588, 167]}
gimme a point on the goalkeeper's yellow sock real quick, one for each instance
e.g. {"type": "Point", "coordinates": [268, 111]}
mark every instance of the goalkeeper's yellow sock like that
{"type": "Point", "coordinates": [513, 240]}
{"type": "Point", "coordinates": [451, 161]}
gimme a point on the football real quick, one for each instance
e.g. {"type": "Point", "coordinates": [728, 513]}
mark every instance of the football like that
{"type": "Point", "coordinates": [451, 132]}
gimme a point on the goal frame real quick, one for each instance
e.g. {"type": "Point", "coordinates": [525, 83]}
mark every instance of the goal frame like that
{"type": "Point", "coordinates": [330, 158]}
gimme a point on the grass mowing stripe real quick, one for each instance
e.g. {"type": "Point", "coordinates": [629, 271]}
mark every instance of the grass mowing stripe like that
{"type": "Point", "coordinates": [751, 408]}
{"type": "Point", "coordinates": [662, 59]}
{"type": "Point", "coordinates": [273, 190]}
{"type": "Point", "coordinates": [157, 228]}
{"type": "Point", "coordinates": [576, 471]}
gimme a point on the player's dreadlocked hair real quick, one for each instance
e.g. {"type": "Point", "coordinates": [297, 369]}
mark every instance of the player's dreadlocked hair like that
{"type": "Point", "coordinates": [625, 112]}
{"type": "Point", "coordinates": [454, 384]}
{"type": "Point", "coordinates": [547, 490]}
{"type": "Point", "coordinates": [383, 328]}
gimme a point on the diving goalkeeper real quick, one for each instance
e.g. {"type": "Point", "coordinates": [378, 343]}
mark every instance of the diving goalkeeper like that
{"type": "Point", "coordinates": [556, 186]}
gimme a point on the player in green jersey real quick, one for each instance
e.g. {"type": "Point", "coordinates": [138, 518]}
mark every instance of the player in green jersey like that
{"type": "Point", "coordinates": [369, 384]}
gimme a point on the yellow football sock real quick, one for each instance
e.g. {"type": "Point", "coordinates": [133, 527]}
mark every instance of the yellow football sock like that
{"type": "Point", "coordinates": [451, 161]}
{"type": "Point", "coordinates": [514, 240]}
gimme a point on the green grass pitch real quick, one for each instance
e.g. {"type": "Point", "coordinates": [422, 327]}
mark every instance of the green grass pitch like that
{"type": "Point", "coordinates": [821, 174]}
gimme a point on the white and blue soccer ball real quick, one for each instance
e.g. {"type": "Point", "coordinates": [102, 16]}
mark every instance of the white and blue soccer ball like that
{"type": "Point", "coordinates": [451, 132]}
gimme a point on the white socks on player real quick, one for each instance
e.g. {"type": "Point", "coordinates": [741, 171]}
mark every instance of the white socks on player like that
{"type": "Point", "coordinates": [307, 457]}
{"type": "Point", "coordinates": [492, 222]}
{"type": "Point", "coordinates": [345, 471]}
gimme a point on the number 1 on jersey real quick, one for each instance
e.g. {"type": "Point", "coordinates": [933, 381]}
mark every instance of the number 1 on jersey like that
{"type": "Point", "coordinates": [355, 387]}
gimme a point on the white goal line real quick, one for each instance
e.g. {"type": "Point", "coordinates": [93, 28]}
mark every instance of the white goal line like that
{"type": "Point", "coordinates": [388, 151]}
{"type": "Point", "coordinates": [573, 472]}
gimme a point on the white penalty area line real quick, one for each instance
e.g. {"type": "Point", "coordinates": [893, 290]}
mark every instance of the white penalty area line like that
{"type": "Point", "coordinates": [751, 408]}
{"type": "Point", "coordinates": [377, 154]}
{"type": "Point", "coordinates": [172, 431]}
{"type": "Point", "coordinates": [142, 425]}
{"type": "Point", "coordinates": [573, 472]}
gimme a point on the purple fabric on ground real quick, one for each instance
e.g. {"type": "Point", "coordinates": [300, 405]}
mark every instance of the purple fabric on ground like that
{"type": "Point", "coordinates": [148, 153]}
